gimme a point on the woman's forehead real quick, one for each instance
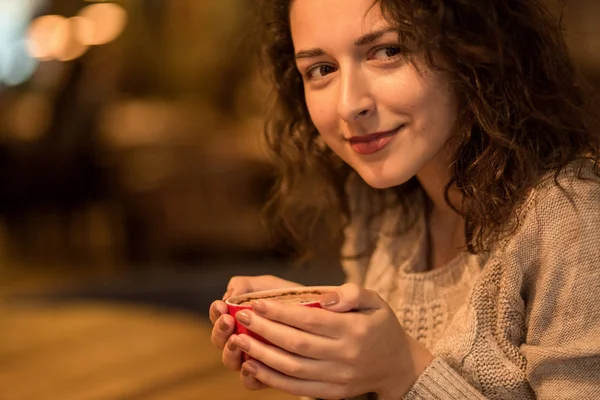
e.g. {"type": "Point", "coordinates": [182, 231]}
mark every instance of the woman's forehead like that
{"type": "Point", "coordinates": [333, 20]}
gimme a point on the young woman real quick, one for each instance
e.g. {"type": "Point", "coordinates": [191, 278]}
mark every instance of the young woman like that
{"type": "Point", "coordinates": [464, 161]}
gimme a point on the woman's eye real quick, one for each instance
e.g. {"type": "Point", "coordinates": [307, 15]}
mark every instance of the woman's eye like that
{"type": "Point", "coordinates": [386, 53]}
{"type": "Point", "coordinates": [320, 71]}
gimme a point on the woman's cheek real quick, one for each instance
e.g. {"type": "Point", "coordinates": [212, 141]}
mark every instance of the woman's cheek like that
{"type": "Point", "coordinates": [323, 110]}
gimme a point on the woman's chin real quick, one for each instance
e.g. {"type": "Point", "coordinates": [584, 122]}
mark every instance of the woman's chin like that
{"type": "Point", "coordinates": [378, 184]}
{"type": "Point", "coordinates": [380, 181]}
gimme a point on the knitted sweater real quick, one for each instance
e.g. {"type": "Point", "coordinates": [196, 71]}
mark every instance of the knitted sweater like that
{"type": "Point", "coordinates": [519, 322]}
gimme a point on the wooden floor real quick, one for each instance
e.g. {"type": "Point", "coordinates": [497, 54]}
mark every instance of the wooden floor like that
{"type": "Point", "coordinates": [110, 351]}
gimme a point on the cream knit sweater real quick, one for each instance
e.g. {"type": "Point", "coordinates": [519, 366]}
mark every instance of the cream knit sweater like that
{"type": "Point", "coordinates": [521, 322]}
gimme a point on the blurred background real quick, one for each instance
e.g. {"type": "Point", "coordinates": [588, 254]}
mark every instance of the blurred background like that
{"type": "Point", "coordinates": [131, 183]}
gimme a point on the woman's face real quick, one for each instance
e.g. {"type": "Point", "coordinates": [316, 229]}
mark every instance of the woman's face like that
{"type": "Point", "coordinates": [383, 116]}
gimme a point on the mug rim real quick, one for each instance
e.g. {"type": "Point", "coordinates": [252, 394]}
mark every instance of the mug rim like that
{"type": "Point", "coordinates": [299, 289]}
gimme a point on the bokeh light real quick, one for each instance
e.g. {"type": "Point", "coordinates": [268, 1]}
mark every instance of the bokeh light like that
{"type": "Point", "coordinates": [16, 65]}
{"type": "Point", "coordinates": [65, 45]}
{"type": "Point", "coordinates": [42, 36]}
{"type": "Point", "coordinates": [100, 23]}
{"type": "Point", "coordinates": [55, 37]}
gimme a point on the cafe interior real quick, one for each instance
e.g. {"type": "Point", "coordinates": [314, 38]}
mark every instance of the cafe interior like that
{"type": "Point", "coordinates": [133, 178]}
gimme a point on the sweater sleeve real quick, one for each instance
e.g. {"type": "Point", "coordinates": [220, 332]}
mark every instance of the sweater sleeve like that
{"type": "Point", "coordinates": [561, 289]}
{"type": "Point", "coordinates": [559, 254]}
{"type": "Point", "coordinates": [440, 382]}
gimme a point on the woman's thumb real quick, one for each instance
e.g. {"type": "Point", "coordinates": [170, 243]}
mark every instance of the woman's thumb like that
{"type": "Point", "coordinates": [350, 297]}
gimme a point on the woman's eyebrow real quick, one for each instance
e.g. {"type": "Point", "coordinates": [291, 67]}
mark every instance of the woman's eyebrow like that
{"type": "Point", "coordinates": [361, 41]}
{"type": "Point", "coordinates": [316, 52]}
{"type": "Point", "coordinates": [372, 36]}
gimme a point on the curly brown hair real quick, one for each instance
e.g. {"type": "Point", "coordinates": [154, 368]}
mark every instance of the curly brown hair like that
{"type": "Point", "coordinates": [523, 110]}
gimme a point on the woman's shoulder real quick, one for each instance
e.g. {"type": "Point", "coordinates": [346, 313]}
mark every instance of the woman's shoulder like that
{"type": "Point", "coordinates": [573, 190]}
{"type": "Point", "coordinates": [564, 202]}
{"type": "Point", "coordinates": [558, 227]}
{"type": "Point", "coordinates": [584, 170]}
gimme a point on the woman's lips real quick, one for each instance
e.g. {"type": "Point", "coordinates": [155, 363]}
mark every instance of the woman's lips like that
{"type": "Point", "coordinates": [371, 143]}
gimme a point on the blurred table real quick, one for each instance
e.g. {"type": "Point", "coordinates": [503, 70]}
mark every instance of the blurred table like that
{"type": "Point", "coordinates": [108, 351]}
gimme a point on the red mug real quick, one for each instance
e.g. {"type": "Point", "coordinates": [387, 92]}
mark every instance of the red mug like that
{"type": "Point", "coordinates": [234, 306]}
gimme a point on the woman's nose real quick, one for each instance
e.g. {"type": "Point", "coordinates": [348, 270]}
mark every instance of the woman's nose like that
{"type": "Point", "coordinates": [355, 99]}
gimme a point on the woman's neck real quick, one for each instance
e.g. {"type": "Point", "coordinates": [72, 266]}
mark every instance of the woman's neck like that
{"type": "Point", "coordinates": [434, 178]}
{"type": "Point", "coordinates": [445, 226]}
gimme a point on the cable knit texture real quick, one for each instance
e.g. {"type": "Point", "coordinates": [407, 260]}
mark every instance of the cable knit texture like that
{"type": "Point", "coordinates": [520, 322]}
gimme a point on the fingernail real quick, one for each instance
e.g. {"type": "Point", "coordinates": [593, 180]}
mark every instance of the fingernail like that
{"type": "Point", "coordinates": [329, 299]}
{"type": "Point", "coordinates": [259, 306]}
{"type": "Point", "coordinates": [223, 327]}
{"type": "Point", "coordinates": [241, 343]}
{"type": "Point", "coordinates": [231, 345]}
{"type": "Point", "coordinates": [227, 294]}
{"type": "Point", "coordinates": [249, 369]}
{"type": "Point", "coordinates": [243, 317]}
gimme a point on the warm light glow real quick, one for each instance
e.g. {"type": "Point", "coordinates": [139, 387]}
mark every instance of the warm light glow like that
{"type": "Point", "coordinates": [83, 29]}
{"type": "Point", "coordinates": [53, 37]}
{"type": "Point", "coordinates": [41, 36]}
{"type": "Point", "coordinates": [100, 24]}
{"type": "Point", "coordinates": [56, 37]}
{"type": "Point", "coordinates": [65, 44]}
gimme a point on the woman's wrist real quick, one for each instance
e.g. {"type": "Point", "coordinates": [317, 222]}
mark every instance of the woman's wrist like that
{"type": "Point", "coordinates": [400, 380]}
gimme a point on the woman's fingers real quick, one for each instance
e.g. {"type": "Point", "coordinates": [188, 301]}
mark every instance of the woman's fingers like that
{"type": "Point", "coordinates": [283, 361]}
{"type": "Point", "coordinates": [232, 355]}
{"type": "Point", "coordinates": [314, 320]}
{"type": "Point", "coordinates": [351, 297]}
{"type": "Point", "coordinates": [222, 330]}
{"type": "Point", "coordinates": [217, 308]}
{"type": "Point", "coordinates": [268, 377]}
{"type": "Point", "coordinates": [248, 380]}
{"type": "Point", "coordinates": [293, 340]}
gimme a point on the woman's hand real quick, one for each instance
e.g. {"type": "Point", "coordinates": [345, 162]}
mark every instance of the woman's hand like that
{"type": "Point", "coordinates": [224, 324]}
{"type": "Point", "coordinates": [353, 346]}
